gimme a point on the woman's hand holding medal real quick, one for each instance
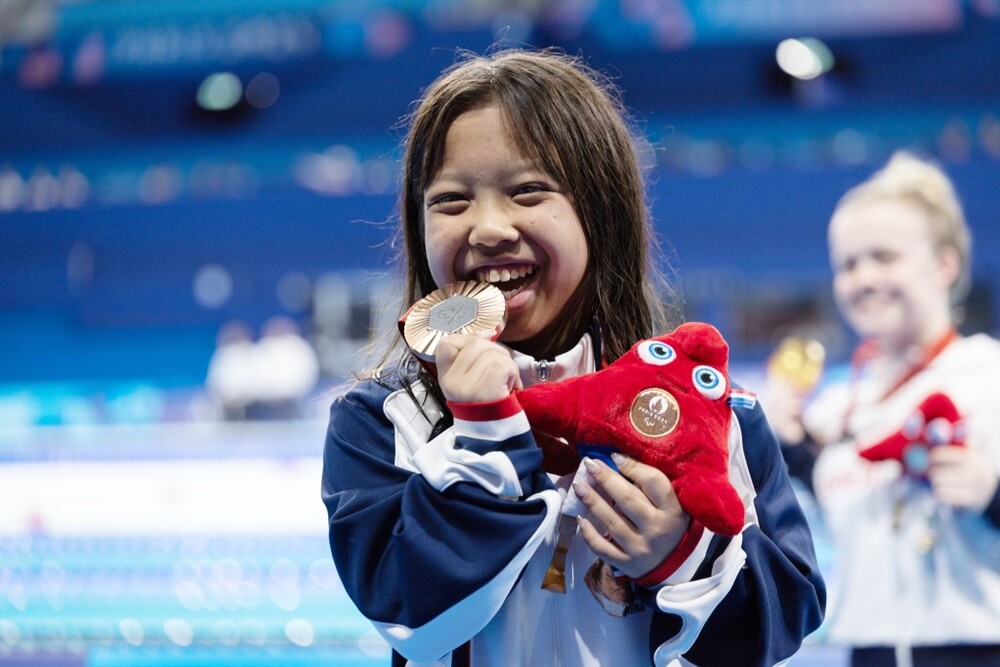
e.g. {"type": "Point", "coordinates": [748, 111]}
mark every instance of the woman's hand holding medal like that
{"type": "Point", "coordinates": [451, 330]}
{"type": "Point", "coordinates": [472, 369]}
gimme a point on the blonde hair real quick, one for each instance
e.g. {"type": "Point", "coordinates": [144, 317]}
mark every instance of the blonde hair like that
{"type": "Point", "coordinates": [924, 185]}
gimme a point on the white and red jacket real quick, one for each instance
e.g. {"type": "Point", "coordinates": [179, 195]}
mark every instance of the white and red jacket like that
{"type": "Point", "coordinates": [910, 571]}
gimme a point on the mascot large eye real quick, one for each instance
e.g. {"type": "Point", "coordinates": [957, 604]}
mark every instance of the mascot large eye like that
{"type": "Point", "coordinates": [938, 432]}
{"type": "Point", "coordinates": [656, 352]}
{"type": "Point", "coordinates": [709, 382]}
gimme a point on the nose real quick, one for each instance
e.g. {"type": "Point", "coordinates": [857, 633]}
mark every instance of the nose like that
{"type": "Point", "coordinates": [863, 276]}
{"type": "Point", "coordinates": [864, 270]}
{"type": "Point", "coordinates": [494, 226]}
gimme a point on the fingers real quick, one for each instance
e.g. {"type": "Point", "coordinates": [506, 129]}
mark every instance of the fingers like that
{"type": "Point", "coordinates": [949, 456]}
{"type": "Point", "coordinates": [603, 546]}
{"type": "Point", "coordinates": [608, 516]}
{"type": "Point", "coordinates": [630, 530]}
{"type": "Point", "coordinates": [962, 477]}
{"type": "Point", "coordinates": [654, 484]}
{"type": "Point", "coordinates": [472, 369]}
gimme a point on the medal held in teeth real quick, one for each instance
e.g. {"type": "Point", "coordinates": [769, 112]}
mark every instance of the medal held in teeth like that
{"type": "Point", "coordinates": [465, 307]}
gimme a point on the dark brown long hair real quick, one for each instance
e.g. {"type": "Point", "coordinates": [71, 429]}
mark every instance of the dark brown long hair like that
{"type": "Point", "coordinates": [569, 119]}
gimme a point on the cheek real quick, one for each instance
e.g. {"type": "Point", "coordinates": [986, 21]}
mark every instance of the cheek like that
{"type": "Point", "coordinates": [440, 249]}
{"type": "Point", "coordinates": [841, 286]}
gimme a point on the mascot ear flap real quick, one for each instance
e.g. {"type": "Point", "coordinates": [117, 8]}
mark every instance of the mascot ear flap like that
{"type": "Point", "coordinates": [703, 343]}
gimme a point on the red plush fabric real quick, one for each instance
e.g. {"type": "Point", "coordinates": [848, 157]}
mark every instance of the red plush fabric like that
{"type": "Point", "coordinates": [665, 403]}
{"type": "Point", "coordinates": [935, 422]}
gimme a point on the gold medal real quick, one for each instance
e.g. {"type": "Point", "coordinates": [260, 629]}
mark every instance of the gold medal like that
{"type": "Point", "coordinates": [466, 307]}
{"type": "Point", "coordinates": [799, 361]}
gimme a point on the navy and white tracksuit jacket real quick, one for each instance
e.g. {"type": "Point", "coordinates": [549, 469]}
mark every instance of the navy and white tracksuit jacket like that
{"type": "Point", "coordinates": [445, 540]}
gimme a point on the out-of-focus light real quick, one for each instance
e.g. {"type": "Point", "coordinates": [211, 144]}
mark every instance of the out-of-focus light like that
{"type": "Point", "coordinates": [379, 176]}
{"type": "Point", "coordinates": [805, 58]}
{"type": "Point", "coordinates": [227, 632]}
{"type": "Point", "coordinates": [43, 190]}
{"type": "Point", "coordinates": [80, 264]}
{"type": "Point", "coordinates": [219, 91]}
{"type": "Point", "coordinates": [285, 572]}
{"type": "Point", "coordinates": [988, 8]}
{"type": "Point", "coordinates": [179, 631]}
{"type": "Point", "coordinates": [131, 631]}
{"type": "Point", "coordinates": [212, 286]}
{"type": "Point", "coordinates": [190, 594]}
{"type": "Point", "coordinates": [337, 171]}
{"type": "Point", "coordinates": [850, 147]}
{"type": "Point", "coordinates": [707, 158]}
{"type": "Point", "coordinates": [323, 574]}
{"type": "Point", "coordinates": [13, 189]}
{"type": "Point", "coordinates": [300, 632]}
{"type": "Point", "coordinates": [756, 154]}
{"type": "Point", "coordinates": [989, 135]}
{"type": "Point", "coordinates": [294, 291]}
{"type": "Point", "coordinates": [253, 632]}
{"type": "Point", "coordinates": [90, 60]}
{"type": "Point", "coordinates": [10, 634]}
{"type": "Point", "coordinates": [371, 643]}
{"type": "Point", "coordinates": [954, 142]}
{"type": "Point", "coordinates": [263, 90]}
{"type": "Point", "coordinates": [40, 68]}
{"type": "Point", "coordinates": [74, 187]}
{"type": "Point", "coordinates": [160, 184]}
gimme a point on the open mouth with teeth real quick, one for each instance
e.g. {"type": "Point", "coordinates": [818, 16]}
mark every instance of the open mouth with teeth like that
{"type": "Point", "coordinates": [509, 279]}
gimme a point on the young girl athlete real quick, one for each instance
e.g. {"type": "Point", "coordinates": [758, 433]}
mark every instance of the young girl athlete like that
{"type": "Point", "coordinates": [520, 171]}
{"type": "Point", "coordinates": [918, 546]}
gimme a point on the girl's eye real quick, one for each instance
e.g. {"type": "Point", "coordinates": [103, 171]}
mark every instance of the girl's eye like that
{"type": "Point", "coordinates": [447, 203]}
{"type": "Point", "coordinates": [709, 382]}
{"type": "Point", "coordinates": [529, 194]}
{"type": "Point", "coordinates": [444, 199]}
{"type": "Point", "coordinates": [656, 352]}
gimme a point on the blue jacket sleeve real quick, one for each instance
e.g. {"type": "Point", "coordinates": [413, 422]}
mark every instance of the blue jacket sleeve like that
{"type": "Point", "coordinates": [429, 568]}
{"type": "Point", "coordinates": [778, 597]}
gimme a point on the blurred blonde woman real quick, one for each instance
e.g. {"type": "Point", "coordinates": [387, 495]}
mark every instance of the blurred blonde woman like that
{"type": "Point", "coordinates": [917, 536]}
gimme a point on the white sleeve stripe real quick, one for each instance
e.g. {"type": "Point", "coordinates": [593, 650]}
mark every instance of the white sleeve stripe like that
{"type": "Point", "coordinates": [496, 429]}
{"type": "Point", "coordinates": [695, 601]}
{"type": "Point", "coordinates": [442, 465]}
{"type": "Point", "coordinates": [687, 569]}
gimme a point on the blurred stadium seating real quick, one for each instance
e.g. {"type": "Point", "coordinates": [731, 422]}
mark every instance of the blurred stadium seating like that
{"type": "Point", "coordinates": [166, 168]}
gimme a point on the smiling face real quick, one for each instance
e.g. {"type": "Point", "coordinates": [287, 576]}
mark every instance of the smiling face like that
{"type": "Point", "coordinates": [890, 282]}
{"type": "Point", "coordinates": [493, 215]}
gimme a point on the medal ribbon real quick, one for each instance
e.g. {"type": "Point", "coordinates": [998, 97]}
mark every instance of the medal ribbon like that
{"type": "Point", "coordinates": [868, 350]}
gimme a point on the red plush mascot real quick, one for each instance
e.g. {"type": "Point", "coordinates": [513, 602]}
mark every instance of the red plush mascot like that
{"type": "Point", "coordinates": [666, 403]}
{"type": "Point", "coordinates": [935, 422]}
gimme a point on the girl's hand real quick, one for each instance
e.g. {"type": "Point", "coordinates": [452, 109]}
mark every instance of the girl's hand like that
{"type": "Point", "coordinates": [962, 476]}
{"type": "Point", "coordinates": [646, 522]}
{"type": "Point", "coordinates": [472, 369]}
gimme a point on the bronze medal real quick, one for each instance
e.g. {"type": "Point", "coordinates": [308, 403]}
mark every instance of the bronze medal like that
{"type": "Point", "coordinates": [466, 307]}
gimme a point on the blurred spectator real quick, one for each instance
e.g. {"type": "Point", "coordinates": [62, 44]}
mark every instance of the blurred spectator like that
{"type": "Point", "coordinates": [916, 521]}
{"type": "Point", "coordinates": [230, 380]}
{"type": "Point", "coordinates": [286, 370]}
{"type": "Point", "coordinates": [266, 379]}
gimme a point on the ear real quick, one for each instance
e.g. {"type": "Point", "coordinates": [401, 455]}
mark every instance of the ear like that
{"type": "Point", "coordinates": [949, 266]}
{"type": "Point", "coordinates": [703, 343]}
